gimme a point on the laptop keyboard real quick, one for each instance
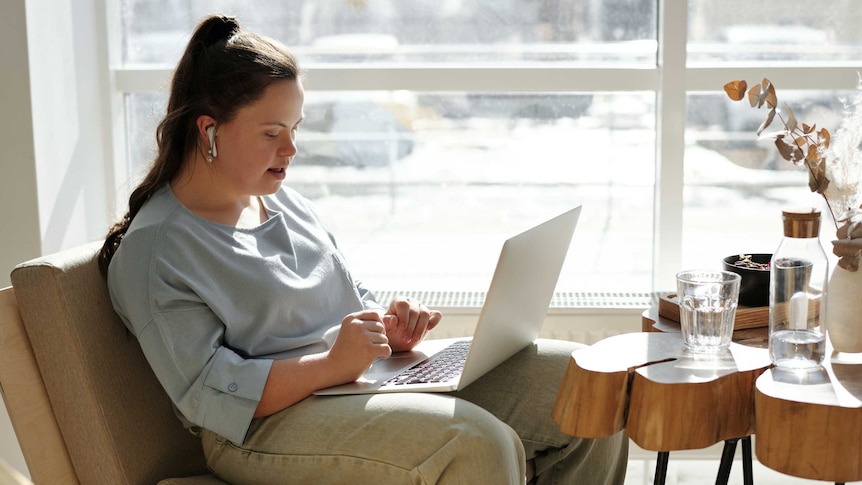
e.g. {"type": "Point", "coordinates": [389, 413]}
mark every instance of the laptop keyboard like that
{"type": "Point", "coordinates": [445, 365]}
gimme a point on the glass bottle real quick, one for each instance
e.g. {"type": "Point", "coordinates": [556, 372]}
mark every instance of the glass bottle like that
{"type": "Point", "coordinates": [799, 272]}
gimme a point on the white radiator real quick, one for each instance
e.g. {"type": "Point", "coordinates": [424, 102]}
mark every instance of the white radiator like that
{"type": "Point", "coordinates": [575, 316]}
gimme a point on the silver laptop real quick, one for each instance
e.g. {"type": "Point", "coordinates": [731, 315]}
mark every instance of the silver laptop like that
{"type": "Point", "coordinates": [511, 318]}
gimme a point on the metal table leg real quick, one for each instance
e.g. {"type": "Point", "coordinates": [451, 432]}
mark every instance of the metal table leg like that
{"type": "Point", "coordinates": [726, 461]}
{"type": "Point", "coordinates": [661, 467]}
{"type": "Point", "coordinates": [747, 470]}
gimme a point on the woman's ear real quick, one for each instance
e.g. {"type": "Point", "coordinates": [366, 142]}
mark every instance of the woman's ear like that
{"type": "Point", "coordinates": [203, 122]}
{"type": "Point", "coordinates": [206, 125]}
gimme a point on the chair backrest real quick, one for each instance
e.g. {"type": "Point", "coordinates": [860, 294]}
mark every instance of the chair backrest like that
{"type": "Point", "coordinates": [27, 401]}
{"type": "Point", "coordinates": [116, 422]}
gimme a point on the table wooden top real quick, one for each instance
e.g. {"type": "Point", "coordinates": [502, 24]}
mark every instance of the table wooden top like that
{"type": "Point", "coordinates": [664, 396]}
{"type": "Point", "coordinates": [810, 425]}
{"type": "Point", "coordinates": [668, 399]}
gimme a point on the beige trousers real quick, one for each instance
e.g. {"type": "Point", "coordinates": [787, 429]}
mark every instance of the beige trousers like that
{"type": "Point", "coordinates": [497, 431]}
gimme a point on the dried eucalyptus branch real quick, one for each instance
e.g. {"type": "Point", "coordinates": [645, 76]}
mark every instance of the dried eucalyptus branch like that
{"type": "Point", "coordinates": [798, 143]}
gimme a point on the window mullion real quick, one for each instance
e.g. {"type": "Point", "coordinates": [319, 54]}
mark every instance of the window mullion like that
{"type": "Point", "coordinates": [118, 166]}
{"type": "Point", "coordinates": [670, 141]}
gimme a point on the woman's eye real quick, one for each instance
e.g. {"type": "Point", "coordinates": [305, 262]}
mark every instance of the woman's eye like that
{"type": "Point", "coordinates": [272, 135]}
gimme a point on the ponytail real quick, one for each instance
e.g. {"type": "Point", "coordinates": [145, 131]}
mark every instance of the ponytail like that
{"type": "Point", "coordinates": [222, 70]}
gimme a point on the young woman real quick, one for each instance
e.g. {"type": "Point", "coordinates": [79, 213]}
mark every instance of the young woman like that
{"type": "Point", "coordinates": [244, 306]}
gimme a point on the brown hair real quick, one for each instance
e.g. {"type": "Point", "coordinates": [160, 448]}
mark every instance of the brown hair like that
{"type": "Point", "coordinates": [222, 70]}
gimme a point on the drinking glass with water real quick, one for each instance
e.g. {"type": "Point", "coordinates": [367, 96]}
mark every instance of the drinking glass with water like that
{"type": "Point", "coordinates": [707, 304]}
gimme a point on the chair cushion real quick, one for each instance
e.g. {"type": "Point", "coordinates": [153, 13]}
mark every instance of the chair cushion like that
{"type": "Point", "coordinates": [27, 401]}
{"type": "Point", "coordinates": [198, 480]}
{"type": "Point", "coordinates": [118, 423]}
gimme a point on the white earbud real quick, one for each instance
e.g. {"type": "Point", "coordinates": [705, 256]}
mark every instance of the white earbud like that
{"type": "Point", "coordinates": [212, 152]}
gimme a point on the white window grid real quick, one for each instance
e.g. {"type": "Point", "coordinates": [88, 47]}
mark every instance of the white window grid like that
{"type": "Point", "coordinates": [670, 79]}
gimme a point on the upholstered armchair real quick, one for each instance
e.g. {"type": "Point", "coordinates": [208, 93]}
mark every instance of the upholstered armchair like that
{"type": "Point", "coordinates": [83, 402]}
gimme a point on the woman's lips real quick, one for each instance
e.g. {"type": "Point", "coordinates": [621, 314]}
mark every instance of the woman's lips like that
{"type": "Point", "coordinates": [277, 172]}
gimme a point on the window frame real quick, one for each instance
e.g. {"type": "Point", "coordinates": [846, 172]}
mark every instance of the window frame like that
{"type": "Point", "coordinates": [670, 79]}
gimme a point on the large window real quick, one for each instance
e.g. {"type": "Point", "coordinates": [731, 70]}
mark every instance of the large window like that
{"type": "Point", "coordinates": [435, 129]}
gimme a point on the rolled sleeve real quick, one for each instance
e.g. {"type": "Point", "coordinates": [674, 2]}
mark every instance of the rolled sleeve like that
{"type": "Point", "coordinates": [230, 394]}
{"type": "Point", "coordinates": [211, 385]}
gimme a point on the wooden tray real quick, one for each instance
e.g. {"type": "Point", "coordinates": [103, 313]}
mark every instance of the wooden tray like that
{"type": "Point", "coordinates": [746, 316]}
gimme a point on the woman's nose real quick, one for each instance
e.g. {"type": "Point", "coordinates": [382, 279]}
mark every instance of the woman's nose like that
{"type": "Point", "coordinates": [288, 147]}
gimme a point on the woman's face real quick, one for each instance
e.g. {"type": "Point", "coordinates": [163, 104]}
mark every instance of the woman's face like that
{"type": "Point", "coordinates": [257, 146]}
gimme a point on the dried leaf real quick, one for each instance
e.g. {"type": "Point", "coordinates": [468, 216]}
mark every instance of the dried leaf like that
{"type": "Point", "coordinates": [817, 180]}
{"type": "Point", "coordinates": [800, 141]}
{"type": "Point", "coordinates": [790, 123]}
{"type": "Point", "coordinates": [785, 150]}
{"type": "Point", "coordinates": [766, 122]}
{"type": "Point", "coordinates": [849, 230]}
{"type": "Point", "coordinates": [813, 155]}
{"type": "Point", "coordinates": [847, 246]}
{"type": "Point", "coordinates": [812, 182]}
{"type": "Point", "coordinates": [736, 89]}
{"type": "Point", "coordinates": [771, 98]}
{"type": "Point", "coordinates": [824, 138]}
{"type": "Point", "coordinates": [756, 96]}
{"type": "Point", "coordinates": [807, 129]}
{"type": "Point", "coordinates": [850, 263]}
{"type": "Point", "coordinates": [849, 252]}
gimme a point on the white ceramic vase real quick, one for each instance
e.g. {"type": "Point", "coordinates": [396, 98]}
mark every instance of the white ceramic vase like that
{"type": "Point", "coordinates": [844, 310]}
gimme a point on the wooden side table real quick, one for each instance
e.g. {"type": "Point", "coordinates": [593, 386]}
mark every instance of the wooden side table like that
{"type": "Point", "coordinates": [665, 398]}
{"type": "Point", "coordinates": [814, 430]}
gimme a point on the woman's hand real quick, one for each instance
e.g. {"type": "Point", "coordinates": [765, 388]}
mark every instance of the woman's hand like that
{"type": "Point", "coordinates": [361, 340]}
{"type": "Point", "coordinates": [407, 321]}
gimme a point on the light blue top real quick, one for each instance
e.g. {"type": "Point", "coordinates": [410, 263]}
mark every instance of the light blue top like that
{"type": "Point", "coordinates": [213, 305]}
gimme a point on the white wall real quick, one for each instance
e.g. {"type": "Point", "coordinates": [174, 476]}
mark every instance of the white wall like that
{"type": "Point", "coordinates": [68, 82]}
{"type": "Point", "coordinates": [19, 217]}
{"type": "Point", "coordinates": [54, 138]}
{"type": "Point", "coordinates": [54, 128]}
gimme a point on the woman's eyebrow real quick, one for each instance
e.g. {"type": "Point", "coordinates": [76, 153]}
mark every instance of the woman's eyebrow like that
{"type": "Point", "coordinates": [281, 123]}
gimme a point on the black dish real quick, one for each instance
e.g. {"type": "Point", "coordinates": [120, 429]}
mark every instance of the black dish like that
{"type": "Point", "coordinates": [754, 286]}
